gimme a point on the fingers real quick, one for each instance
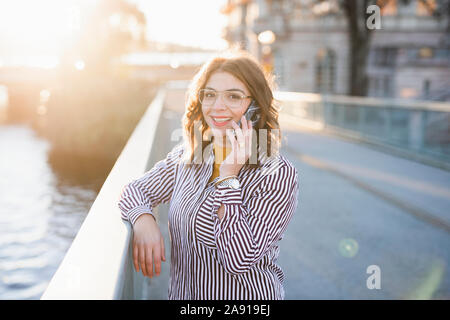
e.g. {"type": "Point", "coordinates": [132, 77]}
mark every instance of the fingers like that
{"type": "Point", "coordinates": [243, 134]}
{"type": "Point", "coordinates": [158, 255]}
{"type": "Point", "coordinates": [148, 249]}
{"type": "Point", "coordinates": [163, 250]}
{"type": "Point", "coordinates": [238, 130]}
{"type": "Point", "coordinates": [244, 124]}
{"type": "Point", "coordinates": [142, 261]}
{"type": "Point", "coordinates": [157, 259]}
{"type": "Point", "coordinates": [233, 141]}
{"type": "Point", "coordinates": [144, 257]}
{"type": "Point", "coordinates": [149, 261]}
{"type": "Point", "coordinates": [136, 257]}
{"type": "Point", "coordinates": [232, 138]}
{"type": "Point", "coordinates": [241, 142]}
{"type": "Point", "coordinates": [248, 136]}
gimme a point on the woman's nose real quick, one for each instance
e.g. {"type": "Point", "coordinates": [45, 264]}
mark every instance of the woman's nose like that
{"type": "Point", "coordinates": [218, 104]}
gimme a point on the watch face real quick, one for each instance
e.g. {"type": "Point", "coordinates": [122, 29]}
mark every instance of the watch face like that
{"type": "Point", "coordinates": [234, 183]}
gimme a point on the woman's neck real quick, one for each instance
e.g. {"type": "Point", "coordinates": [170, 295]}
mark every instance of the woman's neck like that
{"type": "Point", "coordinates": [220, 149]}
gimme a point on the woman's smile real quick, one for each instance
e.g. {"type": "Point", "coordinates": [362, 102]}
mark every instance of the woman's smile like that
{"type": "Point", "coordinates": [220, 121]}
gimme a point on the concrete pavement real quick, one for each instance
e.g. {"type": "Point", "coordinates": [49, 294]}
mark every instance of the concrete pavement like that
{"type": "Point", "coordinates": [360, 207]}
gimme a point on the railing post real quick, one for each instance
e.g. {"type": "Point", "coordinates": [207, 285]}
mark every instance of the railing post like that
{"type": "Point", "coordinates": [361, 125]}
{"type": "Point", "coordinates": [416, 130]}
{"type": "Point", "coordinates": [327, 112]}
{"type": "Point", "coordinates": [387, 123]}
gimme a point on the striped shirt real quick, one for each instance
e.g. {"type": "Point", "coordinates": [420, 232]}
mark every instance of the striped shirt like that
{"type": "Point", "coordinates": [232, 258]}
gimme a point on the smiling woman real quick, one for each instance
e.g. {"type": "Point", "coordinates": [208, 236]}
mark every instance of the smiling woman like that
{"type": "Point", "coordinates": [226, 218]}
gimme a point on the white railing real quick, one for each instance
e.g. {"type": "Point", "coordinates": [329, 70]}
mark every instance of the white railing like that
{"type": "Point", "coordinates": [98, 264]}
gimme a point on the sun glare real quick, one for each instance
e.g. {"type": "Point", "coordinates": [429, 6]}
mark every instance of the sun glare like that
{"type": "Point", "coordinates": [35, 33]}
{"type": "Point", "coordinates": [193, 23]}
{"type": "Point", "coordinates": [41, 28]}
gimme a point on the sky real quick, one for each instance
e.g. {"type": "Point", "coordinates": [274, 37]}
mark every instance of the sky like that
{"type": "Point", "coordinates": [39, 27]}
{"type": "Point", "coordinates": [189, 22]}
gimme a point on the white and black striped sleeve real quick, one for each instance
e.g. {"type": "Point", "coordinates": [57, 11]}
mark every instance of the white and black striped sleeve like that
{"type": "Point", "coordinates": [248, 230]}
{"type": "Point", "coordinates": [143, 194]}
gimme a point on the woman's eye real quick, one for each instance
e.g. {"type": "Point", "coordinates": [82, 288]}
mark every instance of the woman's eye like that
{"type": "Point", "coordinates": [234, 97]}
{"type": "Point", "coordinates": [210, 94]}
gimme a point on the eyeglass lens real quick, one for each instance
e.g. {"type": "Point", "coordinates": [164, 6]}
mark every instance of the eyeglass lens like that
{"type": "Point", "coordinates": [232, 99]}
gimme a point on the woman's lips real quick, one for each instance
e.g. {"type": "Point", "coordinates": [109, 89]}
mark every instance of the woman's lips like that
{"type": "Point", "coordinates": [220, 122]}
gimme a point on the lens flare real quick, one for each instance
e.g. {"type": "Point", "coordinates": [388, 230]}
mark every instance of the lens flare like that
{"type": "Point", "coordinates": [348, 248]}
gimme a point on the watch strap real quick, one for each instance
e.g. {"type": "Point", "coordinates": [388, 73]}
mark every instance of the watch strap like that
{"type": "Point", "coordinates": [232, 183]}
{"type": "Point", "coordinates": [224, 179]}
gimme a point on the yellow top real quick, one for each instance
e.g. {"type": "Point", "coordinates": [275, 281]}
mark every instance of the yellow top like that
{"type": "Point", "coordinates": [220, 153]}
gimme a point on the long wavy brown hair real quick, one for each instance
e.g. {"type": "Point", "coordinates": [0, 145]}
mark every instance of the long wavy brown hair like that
{"type": "Point", "coordinates": [244, 67]}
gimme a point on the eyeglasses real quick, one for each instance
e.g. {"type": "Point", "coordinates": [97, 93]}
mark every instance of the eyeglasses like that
{"type": "Point", "coordinates": [232, 99]}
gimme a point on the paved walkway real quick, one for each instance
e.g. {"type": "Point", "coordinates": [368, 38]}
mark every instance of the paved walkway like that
{"type": "Point", "coordinates": [357, 207]}
{"type": "Point", "coordinates": [360, 207]}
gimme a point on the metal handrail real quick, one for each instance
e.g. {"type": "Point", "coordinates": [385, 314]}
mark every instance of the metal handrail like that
{"type": "Point", "coordinates": [366, 101]}
{"type": "Point", "coordinates": [416, 130]}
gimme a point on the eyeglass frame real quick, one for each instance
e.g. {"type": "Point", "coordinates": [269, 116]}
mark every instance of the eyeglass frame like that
{"type": "Point", "coordinates": [243, 96]}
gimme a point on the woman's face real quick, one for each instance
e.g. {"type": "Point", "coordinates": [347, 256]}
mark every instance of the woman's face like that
{"type": "Point", "coordinates": [218, 116]}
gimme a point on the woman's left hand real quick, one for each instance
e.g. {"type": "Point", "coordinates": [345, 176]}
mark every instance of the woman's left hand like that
{"type": "Point", "coordinates": [241, 148]}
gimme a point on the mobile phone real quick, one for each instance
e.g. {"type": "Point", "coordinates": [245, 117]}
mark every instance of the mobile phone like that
{"type": "Point", "coordinates": [251, 114]}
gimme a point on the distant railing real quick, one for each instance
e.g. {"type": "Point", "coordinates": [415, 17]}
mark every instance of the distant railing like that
{"type": "Point", "coordinates": [98, 264]}
{"type": "Point", "coordinates": [416, 129]}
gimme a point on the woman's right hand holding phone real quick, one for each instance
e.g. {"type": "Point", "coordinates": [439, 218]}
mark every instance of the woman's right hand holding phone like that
{"type": "Point", "coordinates": [148, 246]}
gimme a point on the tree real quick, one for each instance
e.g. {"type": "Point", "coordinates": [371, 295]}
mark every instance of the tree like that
{"type": "Point", "coordinates": [359, 35]}
{"type": "Point", "coordinates": [359, 42]}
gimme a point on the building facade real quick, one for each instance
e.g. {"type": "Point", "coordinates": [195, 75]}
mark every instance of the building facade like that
{"type": "Point", "coordinates": [409, 56]}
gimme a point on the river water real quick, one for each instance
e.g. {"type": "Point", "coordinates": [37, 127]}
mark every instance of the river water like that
{"type": "Point", "coordinates": [40, 213]}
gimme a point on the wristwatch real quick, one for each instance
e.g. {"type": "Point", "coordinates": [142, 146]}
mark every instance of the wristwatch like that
{"type": "Point", "coordinates": [232, 183]}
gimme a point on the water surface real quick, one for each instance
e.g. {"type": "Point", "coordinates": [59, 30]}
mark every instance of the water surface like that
{"type": "Point", "coordinates": [40, 213]}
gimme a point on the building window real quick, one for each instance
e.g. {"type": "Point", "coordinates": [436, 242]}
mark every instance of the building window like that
{"type": "Point", "coordinates": [426, 53]}
{"type": "Point", "coordinates": [384, 57]}
{"type": "Point", "coordinates": [426, 89]}
{"type": "Point", "coordinates": [381, 86]}
{"type": "Point", "coordinates": [443, 53]}
{"type": "Point", "coordinates": [325, 71]}
{"type": "Point", "coordinates": [388, 87]}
